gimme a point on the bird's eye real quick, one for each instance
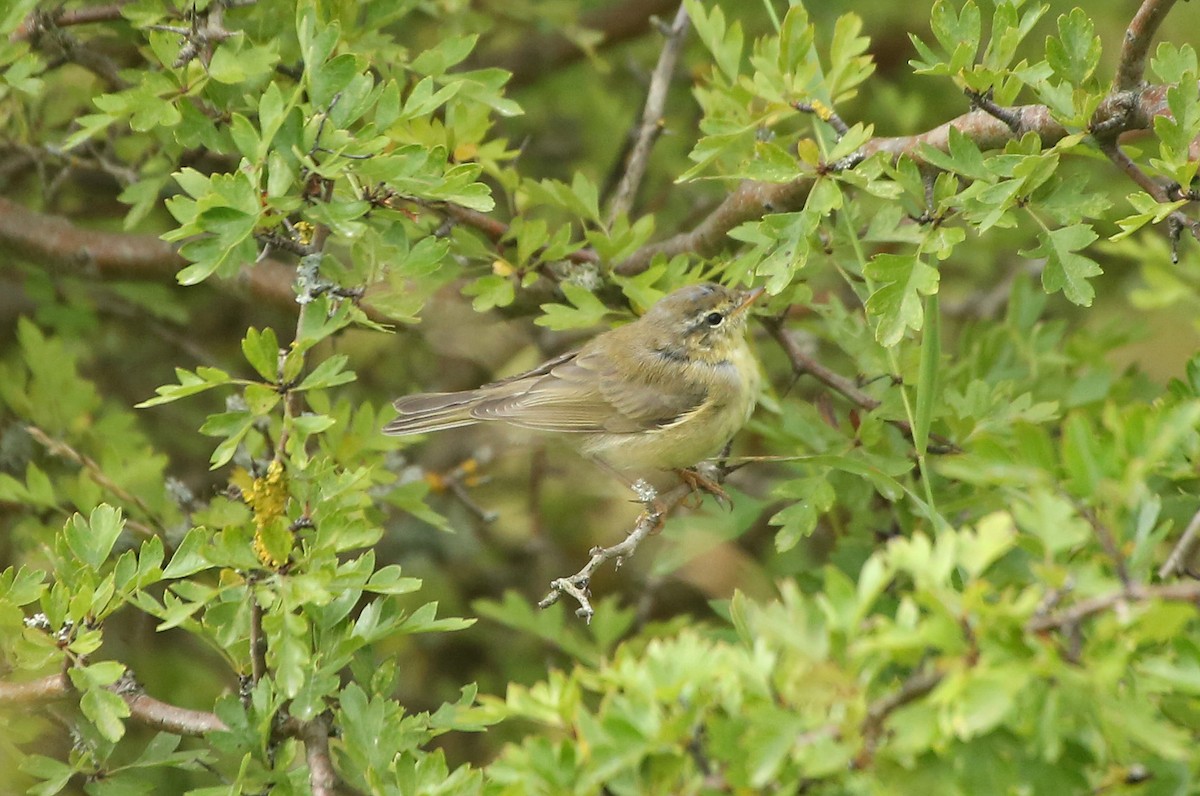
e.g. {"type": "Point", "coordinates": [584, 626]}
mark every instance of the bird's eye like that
{"type": "Point", "coordinates": [714, 318]}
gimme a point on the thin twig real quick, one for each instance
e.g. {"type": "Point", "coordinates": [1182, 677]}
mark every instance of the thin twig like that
{"type": "Point", "coordinates": [986, 102]}
{"type": "Point", "coordinates": [916, 686]}
{"type": "Point", "coordinates": [258, 641]}
{"type": "Point", "coordinates": [648, 523]}
{"type": "Point", "coordinates": [651, 124]}
{"type": "Point", "coordinates": [1177, 563]}
{"type": "Point", "coordinates": [1136, 593]}
{"type": "Point", "coordinates": [1157, 191]}
{"type": "Point", "coordinates": [804, 365]}
{"type": "Point", "coordinates": [57, 447]}
{"type": "Point", "coordinates": [1109, 543]}
{"type": "Point", "coordinates": [825, 114]}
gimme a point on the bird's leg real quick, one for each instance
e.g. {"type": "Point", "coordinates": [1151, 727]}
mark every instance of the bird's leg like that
{"type": "Point", "coordinates": [698, 482]}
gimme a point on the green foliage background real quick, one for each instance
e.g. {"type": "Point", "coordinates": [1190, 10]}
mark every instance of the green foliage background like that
{"type": "Point", "coordinates": [951, 580]}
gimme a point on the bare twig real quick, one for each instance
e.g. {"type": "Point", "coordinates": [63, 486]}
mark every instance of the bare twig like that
{"type": "Point", "coordinates": [804, 365]}
{"type": "Point", "coordinates": [538, 56]}
{"type": "Point", "coordinates": [84, 54]}
{"type": "Point", "coordinates": [1177, 563]}
{"type": "Point", "coordinates": [648, 523]}
{"type": "Point", "coordinates": [1138, 38]}
{"type": "Point", "coordinates": [825, 114]}
{"type": "Point", "coordinates": [651, 123]}
{"type": "Point", "coordinates": [142, 707]}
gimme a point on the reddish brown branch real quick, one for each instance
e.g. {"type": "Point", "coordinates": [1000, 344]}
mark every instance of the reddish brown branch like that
{"type": "Point", "coordinates": [804, 365]}
{"type": "Point", "coordinates": [1138, 38]}
{"type": "Point", "coordinates": [1178, 219]}
{"type": "Point", "coordinates": [142, 707]}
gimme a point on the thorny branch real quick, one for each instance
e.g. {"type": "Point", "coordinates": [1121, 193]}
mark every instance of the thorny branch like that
{"type": "Point", "coordinates": [652, 121]}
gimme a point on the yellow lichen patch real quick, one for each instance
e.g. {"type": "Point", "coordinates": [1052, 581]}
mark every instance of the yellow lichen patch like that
{"type": "Point", "coordinates": [267, 497]}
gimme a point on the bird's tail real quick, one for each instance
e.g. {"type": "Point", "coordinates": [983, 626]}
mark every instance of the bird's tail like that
{"type": "Point", "coordinates": [433, 411]}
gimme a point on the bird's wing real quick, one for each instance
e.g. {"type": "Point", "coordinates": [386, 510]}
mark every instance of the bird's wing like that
{"type": "Point", "coordinates": [583, 392]}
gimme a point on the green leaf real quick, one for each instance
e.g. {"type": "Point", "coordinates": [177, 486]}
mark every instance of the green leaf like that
{"type": "Point", "coordinates": [725, 43]}
{"type": "Point", "coordinates": [588, 310]}
{"type": "Point", "coordinates": [189, 557]}
{"type": "Point", "coordinates": [330, 373]}
{"type": "Point", "coordinates": [261, 350]}
{"type": "Point", "coordinates": [813, 497]}
{"type": "Point", "coordinates": [233, 426]}
{"type": "Point", "coordinates": [105, 710]}
{"type": "Point", "coordinates": [92, 540]}
{"type": "Point", "coordinates": [54, 774]}
{"type": "Point", "coordinates": [903, 279]}
{"type": "Point", "coordinates": [1065, 269]}
{"type": "Point", "coordinates": [327, 79]}
{"type": "Point", "coordinates": [1076, 53]}
{"type": "Point", "coordinates": [189, 384]}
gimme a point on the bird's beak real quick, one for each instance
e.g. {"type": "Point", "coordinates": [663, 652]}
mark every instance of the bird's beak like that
{"type": "Point", "coordinates": [748, 298]}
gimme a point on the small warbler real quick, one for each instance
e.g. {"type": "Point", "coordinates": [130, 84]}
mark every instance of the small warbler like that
{"type": "Point", "coordinates": [663, 392]}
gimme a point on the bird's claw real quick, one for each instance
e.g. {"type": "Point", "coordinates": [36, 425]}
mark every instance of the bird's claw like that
{"type": "Point", "coordinates": [698, 482]}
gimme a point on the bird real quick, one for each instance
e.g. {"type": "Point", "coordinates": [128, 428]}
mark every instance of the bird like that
{"type": "Point", "coordinates": [664, 392]}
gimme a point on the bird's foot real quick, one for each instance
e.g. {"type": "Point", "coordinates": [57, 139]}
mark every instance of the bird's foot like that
{"type": "Point", "coordinates": [698, 482]}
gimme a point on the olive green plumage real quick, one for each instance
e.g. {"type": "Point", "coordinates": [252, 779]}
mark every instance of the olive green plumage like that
{"type": "Point", "coordinates": [663, 392]}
